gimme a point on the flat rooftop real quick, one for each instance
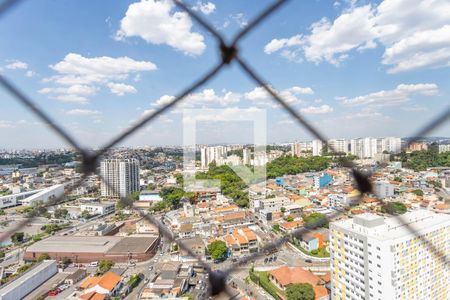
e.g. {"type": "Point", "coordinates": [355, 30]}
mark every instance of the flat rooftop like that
{"type": "Point", "coordinates": [19, 281]}
{"type": "Point", "coordinates": [79, 244]}
{"type": "Point", "coordinates": [93, 244]}
{"type": "Point", "coordinates": [133, 244]}
{"type": "Point", "coordinates": [411, 223]}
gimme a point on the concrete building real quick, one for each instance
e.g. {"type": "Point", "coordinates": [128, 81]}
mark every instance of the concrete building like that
{"type": "Point", "coordinates": [271, 204]}
{"type": "Point", "coordinates": [98, 208]}
{"type": "Point", "coordinates": [369, 147]}
{"type": "Point", "coordinates": [296, 149]}
{"type": "Point", "coordinates": [29, 281]}
{"type": "Point", "coordinates": [339, 145]}
{"type": "Point", "coordinates": [444, 148]}
{"type": "Point", "coordinates": [15, 199]}
{"type": "Point", "coordinates": [383, 189]}
{"type": "Point", "coordinates": [317, 147]}
{"type": "Point", "coordinates": [246, 156]}
{"type": "Point", "coordinates": [417, 146]}
{"type": "Point", "coordinates": [241, 241]}
{"type": "Point", "coordinates": [384, 259]}
{"type": "Point", "coordinates": [85, 249]}
{"type": "Point", "coordinates": [210, 154]}
{"type": "Point", "coordinates": [121, 176]}
{"type": "Point", "coordinates": [45, 195]}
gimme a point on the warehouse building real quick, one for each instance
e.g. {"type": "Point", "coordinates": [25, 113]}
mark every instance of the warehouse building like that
{"type": "Point", "coordinates": [45, 195]}
{"type": "Point", "coordinates": [85, 249]}
{"type": "Point", "coordinates": [29, 281]}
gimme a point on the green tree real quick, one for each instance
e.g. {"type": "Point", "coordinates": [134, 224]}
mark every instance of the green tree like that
{"type": "Point", "coordinates": [135, 196]}
{"type": "Point", "coordinates": [2, 212]}
{"type": "Point", "coordinates": [105, 265]}
{"type": "Point", "coordinates": [121, 204]}
{"type": "Point", "coordinates": [283, 209]}
{"type": "Point", "coordinates": [2, 254]}
{"type": "Point", "coordinates": [276, 227]}
{"type": "Point", "coordinates": [172, 195]}
{"type": "Point", "coordinates": [300, 291]}
{"type": "Point", "coordinates": [418, 192]}
{"type": "Point", "coordinates": [314, 220]}
{"type": "Point", "coordinates": [217, 249]}
{"type": "Point", "coordinates": [394, 208]}
{"type": "Point", "coordinates": [291, 165]}
{"type": "Point", "coordinates": [61, 213]}
{"type": "Point", "coordinates": [397, 178]}
{"type": "Point", "coordinates": [17, 237]}
{"type": "Point", "coordinates": [289, 219]}
{"type": "Point", "coordinates": [66, 261]}
{"type": "Point", "coordinates": [43, 257]}
{"type": "Point", "coordinates": [85, 214]}
{"type": "Point", "coordinates": [158, 206]}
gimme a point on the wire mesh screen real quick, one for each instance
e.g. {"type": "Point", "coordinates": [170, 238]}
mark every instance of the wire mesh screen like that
{"type": "Point", "coordinates": [229, 55]}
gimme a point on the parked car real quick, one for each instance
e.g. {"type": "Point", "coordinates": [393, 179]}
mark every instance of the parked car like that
{"type": "Point", "coordinates": [93, 264]}
{"type": "Point", "coordinates": [54, 292]}
{"type": "Point", "coordinates": [308, 261]}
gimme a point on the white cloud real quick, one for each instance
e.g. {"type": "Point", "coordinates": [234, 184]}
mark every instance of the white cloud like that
{"type": "Point", "coordinates": [291, 95]}
{"type": "Point", "coordinates": [6, 124]}
{"type": "Point", "coordinates": [206, 8]}
{"type": "Point", "coordinates": [163, 100]}
{"type": "Point", "coordinates": [72, 98]}
{"type": "Point", "coordinates": [157, 22]}
{"type": "Point", "coordinates": [162, 118]}
{"type": "Point", "coordinates": [238, 19]}
{"type": "Point", "coordinates": [121, 89]}
{"type": "Point", "coordinates": [314, 110]}
{"type": "Point", "coordinates": [414, 33]}
{"type": "Point", "coordinates": [79, 77]}
{"type": "Point", "coordinates": [428, 48]}
{"type": "Point", "coordinates": [83, 112]}
{"type": "Point", "coordinates": [30, 73]}
{"type": "Point", "coordinates": [16, 65]}
{"type": "Point", "coordinates": [206, 97]}
{"type": "Point", "coordinates": [401, 94]}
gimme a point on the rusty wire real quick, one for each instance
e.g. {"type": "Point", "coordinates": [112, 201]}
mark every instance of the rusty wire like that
{"type": "Point", "coordinates": [229, 53]}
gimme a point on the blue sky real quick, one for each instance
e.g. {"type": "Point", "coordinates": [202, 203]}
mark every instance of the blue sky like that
{"type": "Point", "coordinates": [352, 68]}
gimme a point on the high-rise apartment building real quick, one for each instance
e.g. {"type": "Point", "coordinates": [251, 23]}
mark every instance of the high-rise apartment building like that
{"type": "Point", "coordinates": [444, 148]}
{"type": "Point", "coordinates": [386, 259]}
{"type": "Point", "coordinates": [296, 149]}
{"type": "Point", "coordinates": [246, 156]}
{"type": "Point", "coordinates": [317, 146]}
{"type": "Point", "coordinates": [121, 175]}
{"type": "Point", "coordinates": [338, 145]}
{"type": "Point", "coordinates": [210, 154]}
{"type": "Point", "coordinates": [369, 147]}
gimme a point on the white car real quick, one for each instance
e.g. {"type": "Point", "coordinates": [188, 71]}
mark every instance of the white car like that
{"type": "Point", "coordinates": [63, 287]}
{"type": "Point", "coordinates": [93, 264]}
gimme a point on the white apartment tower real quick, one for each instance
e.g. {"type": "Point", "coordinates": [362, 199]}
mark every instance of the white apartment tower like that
{"type": "Point", "coordinates": [210, 154]}
{"type": "Point", "coordinates": [122, 176]}
{"type": "Point", "coordinates": [317, 146]}
{"type": "Point", "coordinates": [369, 147]}
{"type": "Point", "coordinates": [385, 259]}
{"type": "Point", "coordinates": [296, 149]}
{"type": "Point", "coordinates": [338, 145]}
{"type": "Point", "coordinates": [246, 156]}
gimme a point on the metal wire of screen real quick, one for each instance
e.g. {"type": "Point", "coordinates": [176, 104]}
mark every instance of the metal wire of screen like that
{"type": "Point", "coordinates": [229, 54]}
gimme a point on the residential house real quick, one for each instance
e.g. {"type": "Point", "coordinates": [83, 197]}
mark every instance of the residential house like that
{"type": "Point", "coordinates": [241, 241]}
{"type": "Point", "coordinates": [108, 284]}
{"type": "Point", "coordinates": [284, 276]}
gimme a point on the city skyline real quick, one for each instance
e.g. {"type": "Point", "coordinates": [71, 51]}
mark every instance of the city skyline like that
{"type": "Point", "coordinates": [98, 83]}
